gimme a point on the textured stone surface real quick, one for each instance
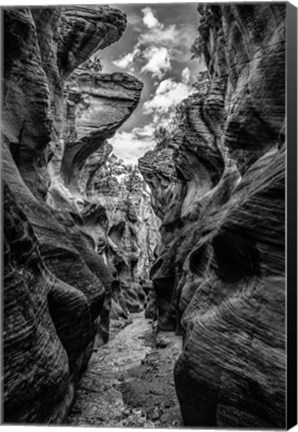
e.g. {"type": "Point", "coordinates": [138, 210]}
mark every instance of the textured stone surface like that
{"type": "Point", "coordinates": [51, 43]}
{"type": "Point", "coordinates": [41, 358]}
{"type": "Point", "coordinates": [129, 381]}
{"type": "Point", "coordinates": [26, 123]}
{"type": "Point", "coordinates": [63, 284]}
{"type": "Point", "coordinates": [232, 308]}
{"type": "Point", "coordinates": [124, 228]}
{"type": "Point", "coordinates": [71, 254]}
{"type": "Point", "coordinates": [219, 276]}
{"type": "Point", "coordinates": [97, 105]}
{"type": "Point", "coordinates": [85, 29]}
{"type": "Point", "coordinates": [184, 178]}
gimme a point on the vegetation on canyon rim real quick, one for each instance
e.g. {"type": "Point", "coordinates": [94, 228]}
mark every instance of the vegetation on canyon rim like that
{"type": "Point", "coordinates": [197, 242]}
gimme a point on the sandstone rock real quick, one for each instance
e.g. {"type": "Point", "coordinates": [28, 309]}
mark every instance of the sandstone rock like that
{"type": "Point", "coordinates": [219, 273]}
{"type": "Point", "coordinates": [92, 165]}
{"type": "Point", "coordinates": [26, 121]}
{"type": "Point", "coordinates": [225, 303]}
{"type": "Point", "coordinates": [124, 228]}
{"type": "Point", "coordinates": [64, 285]}
{"type": "Point", "coordinates": [183, 180]}
{"type": "Point", "coordinates": [39, 352]}
{"type": "Point", "coordinates": [85, 29]}
{"type": "Point", "coordinates": [97, 105]}
{"type": "Point", "coordinates": [74, 225]}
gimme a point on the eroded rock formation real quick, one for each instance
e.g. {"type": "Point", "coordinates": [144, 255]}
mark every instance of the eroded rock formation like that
{"type": "Point", "coordinates": [110, 97]}
{"type": "Point", "coordinates": [64, 286]}
{"type": "Point", "coordinates": [73, 228]}
{"type": "Point", "coordinates": [219, 277]}
{"type": "Point", "coordinates": [120, 219]}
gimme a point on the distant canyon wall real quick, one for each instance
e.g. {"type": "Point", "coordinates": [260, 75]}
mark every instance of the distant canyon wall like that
{"type": "Point", "coordinates": [219, 189]}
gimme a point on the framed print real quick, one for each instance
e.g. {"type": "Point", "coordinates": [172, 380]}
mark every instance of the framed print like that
{"type": "Point", "coordinates": [149, 195]}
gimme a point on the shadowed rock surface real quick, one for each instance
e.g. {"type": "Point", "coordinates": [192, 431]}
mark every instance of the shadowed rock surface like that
{"type": "Point", "coordinates": [64, 285]}
{"type": "Point", "coordinates": [32, 337]}
{"type": "Point", "coordinates": [219, 276]}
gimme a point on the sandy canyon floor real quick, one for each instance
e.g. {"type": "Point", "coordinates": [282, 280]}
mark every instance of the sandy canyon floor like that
{"type": "Point", "coordinates": [129, 381]}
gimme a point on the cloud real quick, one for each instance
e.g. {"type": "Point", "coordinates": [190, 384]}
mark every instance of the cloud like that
{"type": "Point", "coordinates": [158, 45]}
{"type": "Point", "coordinates": [168, 94]}
{"type": "Point", "coordinates": [130, 146]}
{"type": "Point", "coordinates": [177, 40]}
{"type": "Point", "coordinates": [160, 36]}
{"type": "Point", "coordinates": [149, 18]}
{"type": "Point", "coordinates": [125, 61]}
{"type": "Point", "coordinates": [158, 61]}
{"type": "Point", "coordinates": [186, 76]}
{"type": "Point", "coordinates": [133, 19]}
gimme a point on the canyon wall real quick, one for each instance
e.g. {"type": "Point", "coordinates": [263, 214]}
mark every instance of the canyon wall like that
{"type": "Point", "coordinates": [57, 111]}
{"type": "Point", "coordinates": [219, 189]}
{"type": "Point", "coordinates": [75, 218]}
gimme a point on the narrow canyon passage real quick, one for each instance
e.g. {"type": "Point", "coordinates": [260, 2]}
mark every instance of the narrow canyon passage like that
{"type": "Point", "coordinates": [143, 156]}
{"type": "Point", "coordinates": [129, 381]}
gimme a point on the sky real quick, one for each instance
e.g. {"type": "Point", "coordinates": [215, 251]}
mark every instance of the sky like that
{"type": "Point", "coordinates": [155, 48]}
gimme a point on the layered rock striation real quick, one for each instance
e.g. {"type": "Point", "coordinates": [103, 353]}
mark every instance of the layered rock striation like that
{"type": "Point", "coordinates": [110, 97]}
{"type": "Point", "coordinates": [64, 286]}
{"type": "Point", "coordinates": [120, 219]}
{"type": "Point", "coordinates": [75, 224]}
{"type": "Point", "coordinates": [219, 276]}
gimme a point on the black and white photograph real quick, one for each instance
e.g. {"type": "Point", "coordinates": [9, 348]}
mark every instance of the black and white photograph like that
{"type": "Point", "coordinates": [149, 204]}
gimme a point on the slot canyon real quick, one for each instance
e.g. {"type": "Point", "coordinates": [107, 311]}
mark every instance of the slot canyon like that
{"type": "Point", "coordinates": [147, 294]}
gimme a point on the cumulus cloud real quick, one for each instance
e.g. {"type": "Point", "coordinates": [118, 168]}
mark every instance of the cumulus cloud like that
{"type": "Point", "coordinates": [149, 18]}
{"type": "Point", "coordinates": [167, 95]}
{"type": "Point", "coordinates": [130, 146]}
{"type": "Point", "coordinates": [160, 36]}
{"type": "Point", "coordinates": [186, 76]}
{"type": "Point", "coordinates": [177, 40]}
{"type": "Point", "coordinates": [158, 45]}
{"type": "Point", "coordinates": [158, 61]}
{"type": "Point", "coordinates": [133, 19]}
{"type": "Point", "coordinates": [125, 61]}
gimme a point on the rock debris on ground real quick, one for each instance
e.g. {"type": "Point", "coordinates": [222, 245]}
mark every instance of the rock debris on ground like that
{"type": "Point", "coordinates": [129, 381]}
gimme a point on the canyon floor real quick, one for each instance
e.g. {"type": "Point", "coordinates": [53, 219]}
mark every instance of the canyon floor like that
{"type": "Point", "coordinates": [129, 381]}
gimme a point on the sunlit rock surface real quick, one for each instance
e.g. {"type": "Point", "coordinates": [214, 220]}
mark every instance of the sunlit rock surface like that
{"type": "Point", "coordinates": [219, 277]}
